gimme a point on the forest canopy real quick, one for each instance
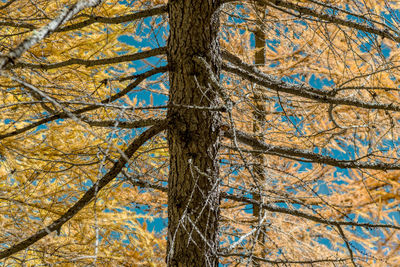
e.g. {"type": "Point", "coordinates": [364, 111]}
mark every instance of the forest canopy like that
{"type": "Point", "coordinates": [199, 133]}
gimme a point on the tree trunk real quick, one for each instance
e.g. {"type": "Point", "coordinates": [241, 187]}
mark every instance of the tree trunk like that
{"type": "Point", "coordinates": [258, 128]}
{"type": "Point", "coordinates": [259, 116]}
{"type": "Point", "coordinates": [193, 135]}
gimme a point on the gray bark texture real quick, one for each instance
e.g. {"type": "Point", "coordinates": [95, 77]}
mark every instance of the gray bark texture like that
{"type": "Point", "coordinates": [193, 135]}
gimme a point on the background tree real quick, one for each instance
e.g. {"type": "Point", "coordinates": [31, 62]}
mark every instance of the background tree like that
{"type": "Point", "coordinates": [118, 113]}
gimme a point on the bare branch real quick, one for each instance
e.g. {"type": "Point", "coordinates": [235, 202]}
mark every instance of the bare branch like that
{"type": "Point", "coordinates": [346, 241]}
{"type": "Point", "coordinates": [304, 215]}
{"type": "Point", "coordinates": [91, 63]}
{"type": "Point", "coordinates": [293, 212]}
{"type": "Point", "coordinates": [17, 25]}
{"type": "Point", "coordinates": [124, 124]}
{"type": "Point", "coordinates": [146, 184]}
{"type": "Point", "coordinates": [158, 10]}
{"type": "Point", "coordinates": [89, 195]}
{"type": "Point", "coordinates": [255, 258]}
{"type": "Point", "coordinates": [254, 75]}
{"type": "Point", "coordinates": [302, 10]}
{"type": "Point", "coordinates": [302, 155]}
{"type": "Point", "coordinates": [7, 4]}
{"type": "Point", "coordinates": [40, 34]}
{"type": "Point", "coordinates": [112, 98]}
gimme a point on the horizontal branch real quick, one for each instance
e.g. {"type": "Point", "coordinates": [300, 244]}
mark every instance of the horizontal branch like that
{"type": "Point", "coordinates": [124, 124]}
{"type": "Point", "coordinates": [254, 75]}
{"type": "Point", "coordinates": [293, 212]}
{"type": "Point", "coordinates": [94, 62]}
{"type": "Point", "coordinates": [334, 19]}
{"type": "Point", "coordinates": [39, 34]}
{"type": "Point", "coordinates": [158, 10]}
{"type": "Point", "coordinates": [303, 155]}
{"type": "Point", "coordinates": [112, 98]}
{"type": "Point", "coordinates": [147, 184]}
{"type": "Point", "coordinates": [17, 25]}
{"type": "Point", "coordinates": [90, 194]}
{"type": "Point", "coordinates": [300, 214]}
{"type": "Point", "coordinates": [308, 262]}
{"type": "Point", "coordinates": [269, 207]}
{"type": "Point", "coordinates": [7, 4]}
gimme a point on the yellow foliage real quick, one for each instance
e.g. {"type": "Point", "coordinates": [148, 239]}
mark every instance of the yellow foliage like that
{"type": "Point", "coordinates": [66, 128]}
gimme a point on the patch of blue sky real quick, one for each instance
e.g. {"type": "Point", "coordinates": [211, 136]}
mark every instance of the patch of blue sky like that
{"type": "Point", "coordinates": [272, 44]}
{"type": "Point", "coordinates": [395, 216]}
{"type": "Point", "coordinates": [224, 265]}
{"type": "Point", "coordinates": [239, 17]}
{"type": "Point", "coordinates": [364, 232]}
{"type": "Point", "coordinates": [87, 184]}
{"type": "Point", "coordinates": [322, 188]}
{"type": "Point", "coordinates": [302, 22]}
{"type": "Point", "coordinates": [155, 224]}
{"type": "Point", "coordinates": [41, 127]}
{"type": "Point", "coordinates": [319, 83]}
{"type": "Point", "coordinates": [324, 241]}
{"type": "Point", "coordinates": [349, 154]}
{"type": "Point", "coordinates": [356, 18]}
{"type": "Point", "coordinates": [115, 235]}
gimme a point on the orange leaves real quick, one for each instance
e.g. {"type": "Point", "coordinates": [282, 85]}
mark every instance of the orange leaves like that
{"type": "Point", "coordinates": [44, 170]}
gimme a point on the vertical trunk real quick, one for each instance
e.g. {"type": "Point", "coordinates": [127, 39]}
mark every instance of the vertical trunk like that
{"type": "Point", "coordinates": [259, 111]}
{"type": "Point", "coordinates": [258, 127]}
{"type": "Point", "coordinates": [259, 115]}
{"type": "Point", "coordinates": [193, 135]}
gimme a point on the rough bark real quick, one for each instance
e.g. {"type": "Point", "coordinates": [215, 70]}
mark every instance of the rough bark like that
{"type": "Point", "coordinates": [193, 135]}
{"type": "Point", "coordinates": [258, 128]}
{"type": "Point", "coordinates": [259, 113]}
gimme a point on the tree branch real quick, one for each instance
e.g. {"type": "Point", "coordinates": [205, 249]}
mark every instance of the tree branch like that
{"type": "Point", "coordinates": [331, 18]}
{"type": "Point", "coordinates": [124, 124]}
{"type": "Point", "coordinates": [276, 262]}
{"type": "Point", "coordinates": [91, 63]}
{"type": "Point", "coordinates": [158, 10]}
{"type": "Point", "coordinates": [300, 154]}
{"type": "Point", "coordinates": [112, 98]}
{"type": "Point", "coordinates": [46, 30]}
{"type": "Point", "coordinates": [90, 194]}
{"type": "Point", "coordinates": [293, 212]}
{"type": "Point", "coordinates": [254, 75]}
{"type": "Point", "coordinates": [17, 25]}
{"type": "Point", "coordinates": [348, 246]}
{"type": "Point", "coordinates": [300, 214]}
{"type": "Point", "coordinates": [7, 4]}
